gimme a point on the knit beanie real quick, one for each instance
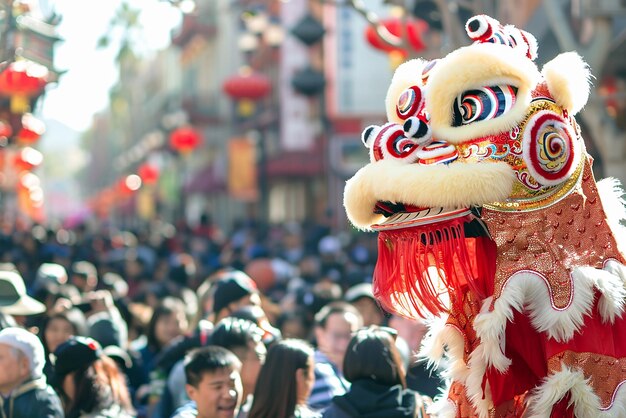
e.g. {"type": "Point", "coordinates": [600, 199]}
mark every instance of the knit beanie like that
{"type": "Point", "coordinates": [232, 287]}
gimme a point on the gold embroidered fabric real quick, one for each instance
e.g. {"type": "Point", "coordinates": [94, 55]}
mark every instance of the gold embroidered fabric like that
{"type": "Point", "coordinates": [605, 373]}
{"type": "Point", "coordinates": [550, 243]}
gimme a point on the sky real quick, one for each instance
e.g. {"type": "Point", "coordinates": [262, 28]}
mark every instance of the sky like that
{"type": "Point", "coordinates": [82, 90]}
{"type": "Point", "coordinates": [68, 106]}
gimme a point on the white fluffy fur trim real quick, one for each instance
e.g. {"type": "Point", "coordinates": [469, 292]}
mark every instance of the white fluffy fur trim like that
{"type": "Point", "coordinates": [477, 66]}
{"type": "Point", "coordinates": [490, 327]}
{"type": "Point", "coordinates": [586, 403]}
{"type": "Point", "coordinates": [442, 407]}
{"type": "Point", "coordinates": [433, 344]}
{"type": "Point", "coordinates": [567, 76]}
{"type": "Point", "coordinates": [616, 268]}
{"type": "Point", "coordinates": [406, 75]}
{"type": "Point", "coordinates": [473, 385]}
{"type": "Point", "coordinates": [612, 197]}
{"type": "Point", "coordinates": [445, 340]}
{"type": "Point", "coordinates": [454, 185]}
{"type": "Point", "coordinates": [529, 289]}
{"type": "Point", "coordinates": [611, 287]}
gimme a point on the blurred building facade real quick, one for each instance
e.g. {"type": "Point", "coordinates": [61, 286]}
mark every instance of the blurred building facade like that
{"type": "Point", "coordinates": [27, 39]}
{"type": "Point", "coordinates": [284, 153]}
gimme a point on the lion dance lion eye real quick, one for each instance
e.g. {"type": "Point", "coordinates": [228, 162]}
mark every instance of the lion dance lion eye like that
{"type": "Point", "coordinates": [483, 104]}
{"type": "Point", "coordinates": [410, 103]}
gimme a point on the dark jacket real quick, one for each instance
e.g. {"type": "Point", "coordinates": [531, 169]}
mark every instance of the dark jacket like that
{"type": "Point", "coordinates": [34, 398]}
{"type": "Point", "coordinates": [368, 399]}
{"type": "Point", "coordinates": [113, 411]}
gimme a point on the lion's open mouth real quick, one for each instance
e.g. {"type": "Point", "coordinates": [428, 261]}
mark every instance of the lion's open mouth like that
{"type": "Point", "coordinates": [428, 258]}
{"type": "Point", "coordinates": [400, 216]}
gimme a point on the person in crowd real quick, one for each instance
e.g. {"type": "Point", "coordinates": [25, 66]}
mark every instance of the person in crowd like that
{"type": "Point", "coordinates": [372, 364]}
{"type": "Point", "coordinates": [420, 376]}
{"type": "Point", "coordinates": [23, 387]}
{"type": "Point", "coordinates": [168, 322]}
{"type": "Point", "coordinates": [204, 294]}
{"type": "Point", "coordinates": [361, 297]}
{"type": "Point", "coordinates": [288, 376]}
{"type": "Point", "coordinates": [49, 277]}
{"type": "Point", "coordinates": [58, 328]}
{"type": "Point", "coordinates": [295, 324]}
{"type": "Point", "coordinates": [89, 382]}
{"type": "Point", "coordinates": [240, 336]}
{"type": "Point", "coordinates": [256, 314]}
{"type": "Point", "coordinates": [84, 276]}
{"type": "Point", "coordinates": [169, 378]}
{"type": "Point", "coordinates": [334, 325]}
{"type": "Point", "coordinates": [112, 337]}
{"type": "Point", "coordinates": [233, 290]}
{"type": "Point", "coordinates": [14, 302]}
{"type": "Point", "coordinates": [213, 384]}
{"type": "Point", "coordinates": [245, 340]}
{"type": "Point", "coordinates": [100, 304]}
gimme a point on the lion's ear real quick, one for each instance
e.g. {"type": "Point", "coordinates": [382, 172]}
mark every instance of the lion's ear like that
{"type": "Point", "coordinates": [568, 79]}
{"type": "Point", "coordinates": [406, 75]}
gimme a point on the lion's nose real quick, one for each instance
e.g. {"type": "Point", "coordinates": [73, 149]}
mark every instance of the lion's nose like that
{"type": "Point", "coordinates": [417, 129]}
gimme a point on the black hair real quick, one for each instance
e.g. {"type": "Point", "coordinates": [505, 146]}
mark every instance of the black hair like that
{"type": "Point", "coordinates": [98, 385]}
{"type": "Point", "coordinates": [208, 360]}
{"type": "Point", "coordinates": [252, 313]}
{"type": "Point", "coordinates": [372, 354]}
{"type": "Point", "coordinates": [167, 307]}
{"type": "Point", "coordinates": [277, 396]}
{"type": "Point", "coordinates": [233, 333]}
{"type": "Point", "coordinates": [332, 308]}
{"type": "Point", "coordinates": [73, 316]}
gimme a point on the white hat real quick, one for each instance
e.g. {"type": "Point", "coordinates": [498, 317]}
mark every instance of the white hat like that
{"type": "Point", "coordinates": [49, 275]}
{"type": "Point", "coordinates": [13, 297]}
{"type": "Point", "coordinates": [358, 291]}
{"type": "Point", "coordinates": [29, 344]}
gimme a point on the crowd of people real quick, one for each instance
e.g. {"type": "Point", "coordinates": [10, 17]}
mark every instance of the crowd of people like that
{"type": "Point", "coordinates": [179, 321]}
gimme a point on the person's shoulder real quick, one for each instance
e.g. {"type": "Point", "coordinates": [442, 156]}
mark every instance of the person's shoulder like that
{"type": "Point", "coordinates": [38, 397]}
{"type": "Point", "coordinates": [305, 412]}
{"type": "Point", "coordinates": [114, 411]}
{"type": "Point", "coordinates": [319, 356]}
{"type": "Point", "coordinates": [322, 363]}
{"type": "Point", "coordinates": [189, 410]}
{"type": "Point", "coordinates": [38, 391]}
{"type": "Point", "coordinates": [333, 411]}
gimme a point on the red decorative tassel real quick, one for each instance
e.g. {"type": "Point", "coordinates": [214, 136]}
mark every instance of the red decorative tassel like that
{"type": "Point", "coordinates": [430, 268]}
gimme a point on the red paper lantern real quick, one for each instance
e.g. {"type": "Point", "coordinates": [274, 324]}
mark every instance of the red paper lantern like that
{"type": "Point", "coordinates": [27, 159]}
{"type": "Point", "coordinates": [22, 80]}
{"type": "Point", "coordinates": [413, 31]}
{"type": "Point", "coordinates": [185, 139]}
{"type": "Point", "coordinates": [149, 174]}
{"type": "Point", "coordinates": [32, 129]}
{"type": "Point", "coordinates": [249, 85]}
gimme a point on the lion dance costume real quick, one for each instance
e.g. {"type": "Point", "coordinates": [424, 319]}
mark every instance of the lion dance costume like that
{"type": "Point", "coordinates": [492, 226]}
